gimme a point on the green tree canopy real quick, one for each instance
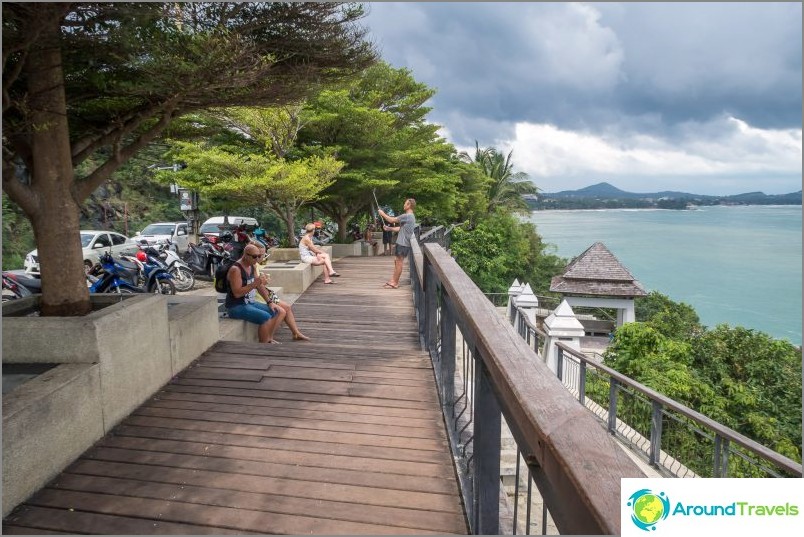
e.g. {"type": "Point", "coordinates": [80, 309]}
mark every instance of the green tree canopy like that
{"type": "Point", "coordinates": [500, 249]}
{"type": "Point", "coordinates": [736, 376]}
{"type": "Point", "coordinates": [672, 319]}
{"type": "Point", "coordinates": [245, 173]}
{"type": "Point", "coordinates": [377, 127]}
{"type": "Point", "coordinates": [79, 78]}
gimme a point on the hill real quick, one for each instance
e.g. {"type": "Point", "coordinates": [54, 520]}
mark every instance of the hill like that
{"type": "Point", "coordinates": [607, 196]}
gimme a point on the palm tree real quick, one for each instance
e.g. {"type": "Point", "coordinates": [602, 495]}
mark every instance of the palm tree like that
{"type": "Point", "coordinates": [506, 187]}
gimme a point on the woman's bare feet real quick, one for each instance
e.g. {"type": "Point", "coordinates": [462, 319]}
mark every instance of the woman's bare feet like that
{"type": "Point", "coordinates": [300, 337]}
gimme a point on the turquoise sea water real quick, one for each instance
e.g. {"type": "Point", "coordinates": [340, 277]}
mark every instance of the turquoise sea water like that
{"type": "Point", "coordinates": [738, 265]}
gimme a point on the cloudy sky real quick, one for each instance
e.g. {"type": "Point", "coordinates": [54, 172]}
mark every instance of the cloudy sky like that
{"type": "Point", "coordinates": [699, 97]}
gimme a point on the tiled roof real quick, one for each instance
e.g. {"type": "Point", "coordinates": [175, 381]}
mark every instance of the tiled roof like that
{"type": "Point", "coordinates": [597, 272]}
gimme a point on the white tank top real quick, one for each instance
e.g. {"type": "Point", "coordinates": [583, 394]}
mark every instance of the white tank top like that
{"type": "Point", "coordinates": [304, 251]}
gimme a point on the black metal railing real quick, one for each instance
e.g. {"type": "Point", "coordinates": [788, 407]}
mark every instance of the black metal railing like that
{"type": "Point", "coordinates": [486, 376]}
{"type": "Point", "coordinates": [673, 438]}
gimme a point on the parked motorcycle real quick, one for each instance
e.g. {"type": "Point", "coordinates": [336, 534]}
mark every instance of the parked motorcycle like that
{"type": "Point", "coordinates": [203, 258]}
{"type": "Point", "coordinates": [154, 274]}
{"type": "Point", "coordinates": [354, 232]}
{"type": "Point", "coordinates": [266, 240]}
{"type": "Point", "coordinates": [114, 276]}
{"type": "Point", "coordinates": [183, 277]}
{"type": "Point", "coordinates": [14, 286]}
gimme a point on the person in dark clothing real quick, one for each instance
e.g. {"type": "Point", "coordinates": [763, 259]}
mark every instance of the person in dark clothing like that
{"type": "Point", "coordinates": [388, 236]}
{"type": "Point", "coordinates": [244, 282]}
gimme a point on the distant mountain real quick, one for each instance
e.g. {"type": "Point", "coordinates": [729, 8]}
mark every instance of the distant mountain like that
{"type": "Point", "coordinates": [609, 191]}
{"type": "Point", "coordinates": [605, 195]}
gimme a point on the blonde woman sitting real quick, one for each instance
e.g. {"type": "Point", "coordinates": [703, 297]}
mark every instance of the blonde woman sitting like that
{"type": "Point", "coordinates": [313, 255]}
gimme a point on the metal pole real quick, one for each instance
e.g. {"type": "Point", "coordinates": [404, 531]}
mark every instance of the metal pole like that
{"type": "Point", "coordinates": [486, 454]}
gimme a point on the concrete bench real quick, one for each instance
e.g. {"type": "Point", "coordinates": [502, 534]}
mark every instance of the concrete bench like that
{"type": "Point", "coordinates": [89, 373]}
{"type": "Point", "coordinates": [292, 254]}
{"type": "Point", "coordinates": [292, 276]}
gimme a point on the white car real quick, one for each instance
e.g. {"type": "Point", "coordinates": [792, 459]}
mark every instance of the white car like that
{"type": "Point", "coordinates": [93, 244]}
{"type": "Point", "coordinates": [177, 232]}
{"type": "Point", "coordinates": [215, 225]}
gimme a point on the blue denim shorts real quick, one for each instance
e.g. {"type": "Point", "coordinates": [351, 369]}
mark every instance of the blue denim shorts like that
{"type": "Point", "coordinates": [256, 312]}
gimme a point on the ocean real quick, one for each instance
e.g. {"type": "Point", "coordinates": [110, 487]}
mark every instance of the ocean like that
{"type": "Point", "coordinates": [739, 265]}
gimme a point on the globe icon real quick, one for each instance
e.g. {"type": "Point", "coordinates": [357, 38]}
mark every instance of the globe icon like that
{"type": "Point", "coordinates": [648, 509]}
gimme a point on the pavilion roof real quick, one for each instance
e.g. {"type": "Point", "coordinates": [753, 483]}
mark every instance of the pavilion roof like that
{"type": "Point", "coordinates": [597, 272]}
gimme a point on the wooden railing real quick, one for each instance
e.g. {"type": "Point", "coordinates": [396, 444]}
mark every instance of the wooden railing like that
{"type": "Point", "coordinates": [573, 462]}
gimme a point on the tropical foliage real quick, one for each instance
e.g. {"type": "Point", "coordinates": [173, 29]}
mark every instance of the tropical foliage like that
{"type": "Point", "coordinates": [499, 249]}
{"type": "Point", "coordinates": [247, 161]}
{"type": "Point", "coordinates": [376, 126]}
{"type": "Point", "coordinates": [85, 80]}
{"type": "Point", "coordinates": [739, 377]}
{"type": "Point", "coordinates": [505, 187]}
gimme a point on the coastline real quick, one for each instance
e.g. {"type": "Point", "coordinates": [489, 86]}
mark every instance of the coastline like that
{"type": "Point", "coordinates": [635, 209]}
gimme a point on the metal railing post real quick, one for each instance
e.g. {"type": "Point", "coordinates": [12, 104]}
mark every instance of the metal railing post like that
{"type": "Point", "coordinates": [655, 433]}
{"type": "Point", "coordinates": [612, 406]}
{"type": "Point", "coordinates": [430, 306]}
{"type": "Point", "coordinates": [486, 454]}
{"type": "Point", "coordinates": [582, 384]}
{"type": "Point", "coordinates": [447, 359]}
{"type": "Point", "coordinates": [560, 364]}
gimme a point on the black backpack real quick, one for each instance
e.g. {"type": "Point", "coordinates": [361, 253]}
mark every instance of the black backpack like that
{"type": "Point", "coordinates": [221, 279]}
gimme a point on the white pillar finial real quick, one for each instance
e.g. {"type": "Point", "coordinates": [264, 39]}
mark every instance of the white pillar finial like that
{"type": "Point", "coordinates": [561, 325]}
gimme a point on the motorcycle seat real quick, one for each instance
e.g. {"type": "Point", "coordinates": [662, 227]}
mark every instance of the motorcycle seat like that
{"type": "Point", "coordinates": [128, 265]}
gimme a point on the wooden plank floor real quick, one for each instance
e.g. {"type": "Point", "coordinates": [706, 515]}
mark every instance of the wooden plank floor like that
{"type": "Point", "coordinates": [339, 435]}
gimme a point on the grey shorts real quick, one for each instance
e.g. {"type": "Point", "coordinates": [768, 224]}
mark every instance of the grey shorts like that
{"type": "Point", "coordinates": [402, 251]}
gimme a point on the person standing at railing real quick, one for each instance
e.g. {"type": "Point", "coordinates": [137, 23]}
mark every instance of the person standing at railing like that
{"type": "Point", "coordinates": [407, 223]}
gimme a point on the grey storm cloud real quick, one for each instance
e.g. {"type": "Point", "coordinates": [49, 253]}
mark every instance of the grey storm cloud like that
{"type": "Point", "coordinates": [598, 66]}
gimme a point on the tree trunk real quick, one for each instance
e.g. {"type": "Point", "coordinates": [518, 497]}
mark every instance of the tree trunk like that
{"type": "Point", "coordinates": [288, 216]}
{"type": "Point", "coordinates": [342, 220]}
{"type": "Point", "coordinates": [64, 290]}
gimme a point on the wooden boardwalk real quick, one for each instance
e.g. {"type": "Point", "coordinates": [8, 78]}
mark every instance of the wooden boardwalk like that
{"type": "Point", "coordinates": [340, 435]}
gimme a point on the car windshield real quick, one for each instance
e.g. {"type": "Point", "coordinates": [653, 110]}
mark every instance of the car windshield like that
{"type": "Point", "coordinates": [212, 228]}
{"type": "Point", "coordinates": [158, 229]}
{"type": "Point", "coordinates": [86, 238]}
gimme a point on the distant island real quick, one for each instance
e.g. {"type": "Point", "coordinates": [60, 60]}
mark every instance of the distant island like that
{"type": "Point", "coordinates": [607, 196]}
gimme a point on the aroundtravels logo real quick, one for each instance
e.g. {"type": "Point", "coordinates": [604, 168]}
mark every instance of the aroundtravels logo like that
{"type": "Point", "coordinates": [648, 508]}
{"type": "Point", "coordinates": [711, 506]}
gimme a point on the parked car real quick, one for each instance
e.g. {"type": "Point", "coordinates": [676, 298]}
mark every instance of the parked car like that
{"type": "Point", "coordinates": [177, 232]}
{"type": "Point", "coordinates": [213, 226]}
{"type": "Point", "coordinates": [93, 244]}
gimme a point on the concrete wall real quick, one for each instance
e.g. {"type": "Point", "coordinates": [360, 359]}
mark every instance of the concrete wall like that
{"type": "Point", "coordinates": [292, 254]}
{"type": "Point", "coordinates": [345, 250]}
{"type": "Point", "coordinates": [193, 328]}
{"type": "Point", "coordinates": [47, 425]}
{"type": "Point", "coordinates": [238, 330]}
{"type": "Point", "coordinates": [113, 359]}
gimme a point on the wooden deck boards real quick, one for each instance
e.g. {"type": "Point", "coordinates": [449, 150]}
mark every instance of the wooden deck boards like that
{"type": "Point", "coordinates": [339, 435]}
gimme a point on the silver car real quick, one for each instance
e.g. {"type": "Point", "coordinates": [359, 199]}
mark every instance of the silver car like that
{"type": "Point", "coordinates": [93, 244]}
{"type": "Point", "coordinates": [178, 233]}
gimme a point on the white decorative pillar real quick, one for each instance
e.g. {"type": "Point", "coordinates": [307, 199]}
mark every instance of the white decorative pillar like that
{"type": "Point", "coordinates": [561, 325]}
{"type": "Point", "coordinates": [528, 303]}
{"type": "Point", "coordinates": [514, 291]}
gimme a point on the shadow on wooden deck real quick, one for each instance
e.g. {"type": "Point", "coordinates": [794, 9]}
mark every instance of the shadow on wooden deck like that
{"type": "Point", "coordinates": [339, 435]}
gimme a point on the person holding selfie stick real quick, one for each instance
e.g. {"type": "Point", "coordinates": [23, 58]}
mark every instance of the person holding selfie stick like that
{"type": "Point", "coordinates": [407, 223]}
